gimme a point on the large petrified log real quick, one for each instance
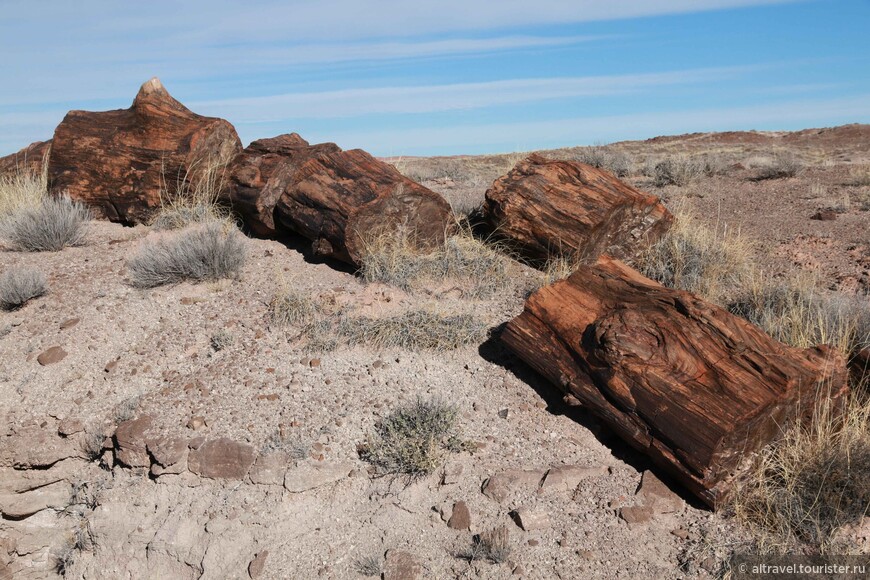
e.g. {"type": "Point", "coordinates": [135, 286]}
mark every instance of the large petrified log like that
{"type": "Point", "coordinates": [546, 208]}
{"type": "Point", "coordinates": [261, 174]}
{"type": "Point", "coordinates": [119, 161]}
{"type": "Point", "coordinates": [691, 385]}
{"type": "Point", "coordinates": [342, 199]}
{"type": "Point", "coordinates": [30, 160]}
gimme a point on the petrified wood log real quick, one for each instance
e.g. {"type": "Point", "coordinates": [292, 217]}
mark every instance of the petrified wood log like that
{"type": "Point", "coordinates": [684, 381]}
{"type": "Point", "coordinates": [30, 160]}
{"type": "Point", "coordinates": [547, 208]}
{"type": "Point", "coordinates": [341, 199]}
{"type": "Point", "coordinates": [260, 175]}
{"type": "Point", "coordinates": [119, 161]}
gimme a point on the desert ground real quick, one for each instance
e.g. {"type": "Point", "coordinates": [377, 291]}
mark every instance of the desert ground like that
{"type": "Point", "coordinates": [242, 452]}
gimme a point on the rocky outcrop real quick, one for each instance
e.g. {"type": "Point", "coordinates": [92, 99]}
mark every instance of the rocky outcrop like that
{"type": "Point", "coordinates": [222, 459]}
{"type": "Point", "coordinates": [119, 161]}
{"type": "Point", "coordinates": [261, 174]}
{"type": "Point", "coordinates": [682, 380]}
{"type": "Point", "coordinates": [30, 160]}
{"type": "Point", "coordinates": [341, 199]}
{"type": "Point", "coordinates": [549, 208]}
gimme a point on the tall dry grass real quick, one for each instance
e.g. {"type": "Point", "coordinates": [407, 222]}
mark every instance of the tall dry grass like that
{"type": "Point", "coordinates": [194, 198]}
{"type": "Point", "coordinates": [22, 190]}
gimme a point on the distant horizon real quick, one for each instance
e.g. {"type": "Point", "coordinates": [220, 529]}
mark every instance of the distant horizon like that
{"type": "Point", "coordinates": [448, 77]}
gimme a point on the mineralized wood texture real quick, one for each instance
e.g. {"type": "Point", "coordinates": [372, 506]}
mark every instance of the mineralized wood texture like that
{"type": "Point", "coordinates": [261, 174]}
{"type": "Point", "coordinates": [31, 160]}
{"type": "Point", "coordinates": [119, 161]}
{"type": "Point", "coordinates": [339, 199]}
{"type": "Point", "coordinates": [547, 208]}
{"type": "Point", "coordinates": [686, 382]}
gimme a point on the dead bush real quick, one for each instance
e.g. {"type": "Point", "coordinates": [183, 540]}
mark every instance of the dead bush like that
{"type": "Point", "coordinates": [711, 262]}
{"type": "Point", "coordinates": [20, 285]}
{"type": "Point", "coordinates": [609, 159]}
{"type": "Point", "coordinates": [782, 165]}
{"type": "Point", "coordinates": [804, 489]}
{"type": "Point", "coordinates": [51, 225]}
{"type": "Point", "coordinates": [413, 439]}
{"type": "Point", "coordinates": [416, 329]}
{"type": "Point", "coordinates": [493, 545]}
{"type": "Point", "coordinates": [476, 268]}
{"type": "Point", "coordinates": [22, 190]}
{"type": "Point", "coordinates": [204, 253]}
{"type": "Point", "coordinates": [679, 170]}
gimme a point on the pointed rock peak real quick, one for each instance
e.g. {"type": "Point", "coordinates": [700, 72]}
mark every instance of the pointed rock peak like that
{"type": "Point", "coordinates": [154, 93]}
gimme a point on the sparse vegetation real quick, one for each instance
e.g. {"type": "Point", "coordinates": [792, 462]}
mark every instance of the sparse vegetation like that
{"type": "Point", "coordinates": [415, 329]}
{"type": "Point", "coordinates": [22, 190]}
{"type": "Point", "coordinates": [293, 308]}
{"type": "Point", "coordinates": [221, 339]}
{"type": "Point", "coordinates": [607, 158]}
{"type": "Point", "coordinates": [196, 198]}
{"type": "Point", "coordinates": [474, 267]}
{"type": "Point", "coordinates": [203, 253]}
{"type": "Point", "coordinates": [20, 285]}
{"type": "Point", "coordinates": [782, 165]}
{"type": "Point", "coordinates": [413, 439]}
{"type": "Point", "coordinates": [293, 445]}
{"type": "Point", "coordinates": [51, 225]}
{"type": "Point", "coordinates": [711, 262]}
{"type": "Point", "coordinates": [804, 490]}
{"type": "Point", "coordinates": [369, 566]}
{"type": "Point", "coordinates": [493, 545]}
{"type": "Point", "coordinates": [677, 170]}
{"type": "Point", "coordinates": [859, 175]}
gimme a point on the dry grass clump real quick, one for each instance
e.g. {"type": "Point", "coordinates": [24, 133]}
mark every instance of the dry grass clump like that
{"type": "Point", "coordinates": [416, 329]}
{"type": "Point", "coordinates": [474, 267]}
{"type": "Point", "coordinates": [20, 285]}
{"type": "Point", "coordinates": [805, 488]}
{"type": "Point", "coordinates": [22, 190]}
{"type": "Point", "coordinates": [797, 313]}
{"type": "Point", "coordinates": [678, 170]}
{"type": "Point", "coordinates": [493, 545]}
{"type": "Point", "coordinates": [369, 566]}
{"type": "Point", "coordinates": [205, 253]}
{"type": "Point", "coordinates": [710, 262]}
{"type": "Point", "coordinates": [414, 439]}
{"type": "Point", "coordinates": [195, 199]}
{"type": "Point", "coordinates": [48, 226]}
{"type": "Point", "coordinates": [860, 175]}
{"type": "Point", "coordinates": [784, 164]}
{"type": "Point", "coordinates": [615, 161]}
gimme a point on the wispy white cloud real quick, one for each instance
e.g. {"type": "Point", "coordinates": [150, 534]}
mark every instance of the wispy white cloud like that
{"type": "Point", "coordinates": [439, 98]}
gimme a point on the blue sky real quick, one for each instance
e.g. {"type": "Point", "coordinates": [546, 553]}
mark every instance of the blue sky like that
{"type": "Point", "coordinates": [446, 77]}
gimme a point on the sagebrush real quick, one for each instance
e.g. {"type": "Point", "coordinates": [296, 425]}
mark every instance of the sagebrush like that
{"type": "Point", "coordinates": [20, 285]}
{"type": "Point", "coordinates": [414, 439]}
{"type": "Point", "coordinates": [51, 225]}
{"type": "Point", "coordinates": [204, 253]}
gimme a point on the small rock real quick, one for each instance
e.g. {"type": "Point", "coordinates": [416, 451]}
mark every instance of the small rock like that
{"type": "Point", "coordinates": [69, 323]}
{"type": "Point", "coordinates": [222, 459]}
{"type": "Point", "coordinates": [452, 472]}
{"type": "Point", "coordinates": [269, 469]}
{"type": "Point", "coordinates": [110, 366]}
{"type": "Point", "coordinates": [51, 355]}
{"type": "Point", "coordinates": [460, 519]}
{"type": "Point", "coordinates": [500, 486]}
{"type": "Point", "coordinates": [533, 542]}
{"type": "Point", "coordinates": [825, 215]}
{"type": "Point", "coordinates": [636, 514]}
{"type": "Point", "coordinates": [566, 478]}
{"type": "Point", "coordinates": [130, 442]}
{"type": "Point", "coordinates": [401, 565]}
{"type": "Point", "coordinates": [657, 495]}
{"type": "Point", "coordinates": [255, 568]}
{"type": "Point", "coordinates": [196, 423]}
{"type": "Point", "coordinates": [680, 533]}
{"type": "Point", "coordinates": [530, 520]}
{"type": "Point", "coordinates": [315, 362]}
{"type": "Point", "coordinates": [69, 427]}
{"type": "Point", "coordinates": [519, 570]}
{"type": "Point", "coordinates": [503, 413]}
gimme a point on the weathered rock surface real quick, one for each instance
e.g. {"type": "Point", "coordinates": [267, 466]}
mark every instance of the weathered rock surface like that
{"type": "Point", "coordinates": [20, 505]}
{"type": "Point", "coordinates": [118, 161]}
{"type": "Point", "coordinates": [131, 447]}
{"type": "Point", "coordinates": [401, 565]}
{"type": "Point", "coordinates": [31, 160]}
{"type": "Point", "coordinates": [51, 355]}
{"type": "Point", "coordinates": [530, 520]}
{"type": "Point", "coordinates": [340, 199]}
{"type": "Point", "coordinates": [547, 208]}
{"type": "Point", "coordinates": [460, 517]}
{"type": "Point", "coordinates": [260, 175]}
{"type": "Point", "coordinates": [500, 486]}
{"type": "Point", "coordinates": [566, 478]}
{"type": "Point", "coordinates": [684, 381]}
{"type": "Point", "coordinates": [222, 459]}
{"type": "Point", "coordinates": [310, 475]}
{"type": "Point", "coordinates": [269, 469]}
